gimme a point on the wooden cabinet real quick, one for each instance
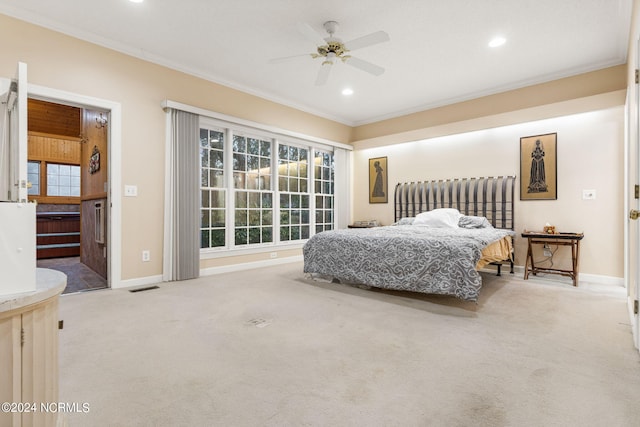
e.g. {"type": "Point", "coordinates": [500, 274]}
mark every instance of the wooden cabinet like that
{"type": "Point", "coordinates": [57, 234]}
{"type": "Point", "coordinates": [29, 351]}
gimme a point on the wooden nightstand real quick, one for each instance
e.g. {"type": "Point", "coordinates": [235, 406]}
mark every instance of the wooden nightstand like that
{"type": "Point", "coordinates": [557, 239]}
{"type": "Point", "coordinates": [364, 224]}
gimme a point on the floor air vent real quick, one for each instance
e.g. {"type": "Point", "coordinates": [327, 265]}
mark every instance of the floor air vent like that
{"type": "Point", "coordinates": [148, 288]}
{"type": "Point", "coordinates": [259, 323]}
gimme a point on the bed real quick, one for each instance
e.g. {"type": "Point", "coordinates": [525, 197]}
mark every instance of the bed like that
{"type": "Point", "coordinates": [444, 231]}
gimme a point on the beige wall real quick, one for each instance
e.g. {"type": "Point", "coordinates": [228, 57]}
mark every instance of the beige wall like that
{"type": "Point", "coordinates": [65, 63]}
{"type": "Point", "coordinates": [555, 92]}
{"type": "Point", "coordinates": [61, 62]}
{"type": "Point", "coordinates": [590, 157]}
{"type": "Point", "coordinates": [481, 137]}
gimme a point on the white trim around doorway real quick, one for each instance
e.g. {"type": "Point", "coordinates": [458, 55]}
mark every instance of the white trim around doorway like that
{"type": "Point", "coordinates": [115, 171]}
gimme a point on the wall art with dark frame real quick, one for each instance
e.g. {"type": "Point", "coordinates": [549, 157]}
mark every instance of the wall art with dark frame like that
{"type": "Point", "coordinates": [539, 167]}
{"type": "Point", "coordinates": [378, 180]}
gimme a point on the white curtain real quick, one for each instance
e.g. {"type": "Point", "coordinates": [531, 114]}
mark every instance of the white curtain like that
{"type": "Point", "coordinates": [182, 259]}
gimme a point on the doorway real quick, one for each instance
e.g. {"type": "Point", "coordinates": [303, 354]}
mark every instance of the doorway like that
{"type": "Point", "coordinates": [68, 172]}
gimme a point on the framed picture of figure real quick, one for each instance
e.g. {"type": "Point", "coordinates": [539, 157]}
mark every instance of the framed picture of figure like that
{"type": "Point", "coordinates": [539, 167]}
{"type": "Point", "coordinates": [378, 189]}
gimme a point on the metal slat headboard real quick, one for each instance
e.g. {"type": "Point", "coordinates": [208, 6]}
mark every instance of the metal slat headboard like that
{"type": "Point", "coordinates": [491, 197]}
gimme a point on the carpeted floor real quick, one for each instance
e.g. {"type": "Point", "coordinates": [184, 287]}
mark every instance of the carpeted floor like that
{"type": "Point", "coordinates": [269, 347]}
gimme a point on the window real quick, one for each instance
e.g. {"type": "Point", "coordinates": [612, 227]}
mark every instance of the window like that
{"type": "Point", "coordinates": [253, 208]}
{"type": "Point", "coordinates": [213, 193]}
{"type": "Point", "coordinates": [323, 183]}
{"type": "Point", "coordinates": [63, 180]}
{"type": "Point", "coordinates": [57, 180]}
{"type": "Point", "coordinates": [294, 192]}
{"type": "Point", "coordinates": [256, 190]}
{"type": "Point", "coordinates": [33, 175]}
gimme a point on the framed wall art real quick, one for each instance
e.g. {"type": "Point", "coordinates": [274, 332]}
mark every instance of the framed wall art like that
{"type": "Point", "coordinates": [378, 183]}
{"type": "Point", "coordinates": [94, 161]}
{"type": "Point", "coordinates": [539, 167]}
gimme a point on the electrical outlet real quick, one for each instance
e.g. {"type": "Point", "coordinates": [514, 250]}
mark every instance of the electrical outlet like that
{"type": "Point", "coordinates": [273, 254]}
{"type": "Point", "coordinates": [546, 250]}
{"type": "Point", "coordinates": [146, 256]}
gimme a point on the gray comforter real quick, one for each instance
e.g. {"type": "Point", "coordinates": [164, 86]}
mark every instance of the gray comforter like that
{"type": "Point", "coordinates": [406, 257]}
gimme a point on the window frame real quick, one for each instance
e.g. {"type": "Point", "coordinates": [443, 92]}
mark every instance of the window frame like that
{"type": "Point", "coordinates": [230, 129]}
{"type": "Point", "coordinates": [44, 197]}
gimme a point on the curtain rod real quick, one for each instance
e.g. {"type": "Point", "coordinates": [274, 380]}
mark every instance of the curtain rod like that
{"type": "Point", "coordinates": [166, 104]}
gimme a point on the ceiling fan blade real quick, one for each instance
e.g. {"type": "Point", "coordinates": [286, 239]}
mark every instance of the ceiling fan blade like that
{"type": "Point", "coordinates": [369, 40]}
{"type": "Point", "coordinates": [365, 66]}
{"type": "Point", "coordinates": [288, 58]}
{"type": "Point", "coordinates": [323, 74]}
{"type": "Point", "coordinates": [311, 34]}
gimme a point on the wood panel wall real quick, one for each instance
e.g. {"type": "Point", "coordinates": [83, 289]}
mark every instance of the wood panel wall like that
{"type": "Point", "coordinates": [93, 254]}
{"type": "Point", "coordinates": [93, 184]}
{"type": "Point", "coordinates": [55, 149]}
{"type": "Point", "coordinates": [50, 148]}
{"type": "Point", "coordinates": [94, 191]}
{"type": "Point", "coordinates": [55, 119]}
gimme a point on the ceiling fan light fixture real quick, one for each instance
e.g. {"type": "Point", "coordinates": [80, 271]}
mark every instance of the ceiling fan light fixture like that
{"type": "Point", "coordinates": [329, 59]}
{"type": "Point", "coordinates": [331, 49]}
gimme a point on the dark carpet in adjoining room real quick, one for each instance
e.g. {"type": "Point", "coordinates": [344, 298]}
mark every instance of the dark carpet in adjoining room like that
{"type": "Point", "coordinates": [79, 276]}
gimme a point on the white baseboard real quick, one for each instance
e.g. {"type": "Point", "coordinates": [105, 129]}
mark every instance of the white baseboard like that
{"type": "Point", "coordinates": [140, 281]}
{"type": "Point", "coordinates": [518, 269]}
{"type": "Point", "coordinates": [249, 265]}
{"type": "Point", "coordinates": [596, 279]}
{"type": "Point", "coordinates": [601, 280]}
{"type": "Point", "coordinates": [150, 280]}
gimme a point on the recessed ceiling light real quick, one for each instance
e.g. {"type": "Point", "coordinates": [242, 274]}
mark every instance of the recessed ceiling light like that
{"type": "Point", "coordinates": [136, 1]}
{"type": "Point", "coordinates": [347, 91]}
{"type": "Point", "coordinates": [497, 41]}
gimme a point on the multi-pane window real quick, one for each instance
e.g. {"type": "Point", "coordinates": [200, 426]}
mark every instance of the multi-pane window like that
{"type": "Point", "coordinates": [294, 192]}
{"type": "Point", "coordinates": [213, 192]}
{"type": "Point", "coordinates": [253, 216]}
{"type": "Point", "coordinates": [323, 186]}
{"type": "Point", "coordinates": [257, 190]}
{"type": "Point", "coordinates": [33, 175]}
{"type": "Point", "coordinates": [63, 180]}
{"type": "Point", "coordinates": [53, 180]}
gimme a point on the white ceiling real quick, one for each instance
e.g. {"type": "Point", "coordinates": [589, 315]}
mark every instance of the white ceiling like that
{"type": "Point", "coordinates": [437, 54]}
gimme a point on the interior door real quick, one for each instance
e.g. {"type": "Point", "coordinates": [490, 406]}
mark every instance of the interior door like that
{"type": "Point", "coordinates": [632, 270]}
{"type": "Point", "coordinates": [18, 137]}
{"type": "Point", "coordinates": [13, 139]}
{"type": "Point", "coordinates": [17, 233]}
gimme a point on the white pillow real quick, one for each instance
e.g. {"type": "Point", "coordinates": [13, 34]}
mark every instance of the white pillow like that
{"type": "Point", "coordinates": [439, 218]}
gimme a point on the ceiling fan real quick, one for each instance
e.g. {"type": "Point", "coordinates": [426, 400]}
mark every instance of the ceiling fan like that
{"type": "Point", "coordinates": [331, 49]}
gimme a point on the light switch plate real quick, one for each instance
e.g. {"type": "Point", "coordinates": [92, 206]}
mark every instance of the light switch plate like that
{"type": "Point", "coordinates": [130, 190]}
{"type": "Point", "coordinates": [588, 194]}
